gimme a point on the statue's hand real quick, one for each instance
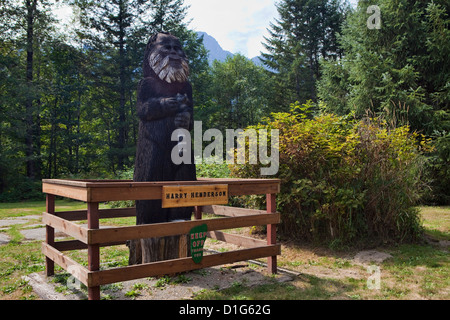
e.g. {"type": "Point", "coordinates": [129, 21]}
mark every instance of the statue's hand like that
{"type": "Point", "coordinates": [171, 105]}
{"type": "Point", "coordinates": [183, 120]}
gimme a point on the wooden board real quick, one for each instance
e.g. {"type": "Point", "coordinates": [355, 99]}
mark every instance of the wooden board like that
{"type": "Point", "coordinates": [179, 265]}
{"type": "Point", "coordinates": [117, 190]}
{"type": "Point", "coordinates": [236, 239]}
{"type": "Point", "coordinates": [230, 211]}
{"type": "Point", "coordinates": [71, 192]}
{"type": "Point", "coordinates": [79, 215]}
{"type": "Point", "coordinates": [177, 228]}
{"type": "Point", "coordinates": [69, 228]}
{"type": "Point", "coordinates": [74, 268]}
{"type": "Point", "coordinates": [190, 196]}
{"type": "Point", "coordinates": [78, 245]}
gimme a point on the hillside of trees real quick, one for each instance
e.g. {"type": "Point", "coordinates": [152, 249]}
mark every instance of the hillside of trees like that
{"type": "Point", "coordinates": [67, 99]}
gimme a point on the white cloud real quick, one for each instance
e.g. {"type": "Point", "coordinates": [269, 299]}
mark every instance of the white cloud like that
{"type": "Point", "coordinates": [238, 25]}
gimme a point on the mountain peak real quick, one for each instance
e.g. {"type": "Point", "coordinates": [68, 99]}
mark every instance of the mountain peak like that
{"type": "Point", "coordinates": [216, 52]}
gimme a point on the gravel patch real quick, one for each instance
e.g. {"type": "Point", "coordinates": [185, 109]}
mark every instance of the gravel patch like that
{"type": "Point", "coordinates": [12, 222]}
{"type": "Point", "coordinates": [371, 256]}
{"type": "Point", "coordinates": [4, 239]}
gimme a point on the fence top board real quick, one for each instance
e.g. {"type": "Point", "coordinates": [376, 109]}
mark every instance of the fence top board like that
{"type": "Point", "coordinates": [116, 190]}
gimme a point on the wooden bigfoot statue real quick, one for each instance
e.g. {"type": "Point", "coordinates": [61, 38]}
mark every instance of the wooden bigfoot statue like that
{"type": "Point", "coordinates": [164, 104]}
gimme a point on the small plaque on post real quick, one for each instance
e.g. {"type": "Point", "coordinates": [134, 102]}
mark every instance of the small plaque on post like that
{"type": "Point", "coordinates": [198, 238]}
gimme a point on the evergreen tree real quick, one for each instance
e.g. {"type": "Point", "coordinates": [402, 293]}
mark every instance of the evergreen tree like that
{"type": "Point", "coordinates": [25, 27]}
{"type": "Point", "coordinates": [240, 92]}
{"type": "Point", "coordinates": [304, 33]}
{"type": "Point", "coordinates": [63, 137]}
{"type": "Point", "coordinates": [169, 16]}
{"type": "Point", "coordinates": [400, 71]}
{"type": "Point", "coordinates": [68, 107]}
{"type": "Point", "coordinates": [109, 31]}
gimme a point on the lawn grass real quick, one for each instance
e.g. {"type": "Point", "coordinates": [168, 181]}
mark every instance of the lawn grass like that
{"type": "Point", "coordinates": [415, 271]}
{"type": "Point", "coordinates": [20, 209]}
{"type": "Point", "coordinates": [436, 220]}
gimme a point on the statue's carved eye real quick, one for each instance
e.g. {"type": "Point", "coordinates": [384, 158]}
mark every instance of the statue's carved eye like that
{"type": "Point", "coordinates": [172, 48]}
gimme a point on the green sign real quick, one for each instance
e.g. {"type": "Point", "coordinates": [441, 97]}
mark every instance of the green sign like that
{"type": "Point", "coordinates": [198, 238]}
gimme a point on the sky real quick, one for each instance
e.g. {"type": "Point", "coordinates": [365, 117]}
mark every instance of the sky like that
{"type": "Point", "coordinates": [238, 25]}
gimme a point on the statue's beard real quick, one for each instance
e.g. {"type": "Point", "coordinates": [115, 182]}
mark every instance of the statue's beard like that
{"type": "Point", "coordinates": [165, 71]}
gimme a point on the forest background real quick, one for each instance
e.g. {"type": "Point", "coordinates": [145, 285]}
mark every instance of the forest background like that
{"type": "Point", "coordinates": [67, 101]}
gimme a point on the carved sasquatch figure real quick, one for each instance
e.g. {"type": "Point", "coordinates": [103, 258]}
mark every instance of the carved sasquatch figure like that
{"type": "Point", "coordinates": [164, 105]}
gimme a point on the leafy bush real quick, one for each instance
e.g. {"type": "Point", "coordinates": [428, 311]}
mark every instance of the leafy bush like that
{"type": "Point", "coordinates": [126, 174]}
{"type": "Point", "coordinates": [211, 168]}
{"type": "Point", "coordinates": [345, 181]}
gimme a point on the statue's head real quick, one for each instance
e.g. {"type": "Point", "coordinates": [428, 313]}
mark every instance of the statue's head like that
{"type": "Point", "coordinates": [164, 56]}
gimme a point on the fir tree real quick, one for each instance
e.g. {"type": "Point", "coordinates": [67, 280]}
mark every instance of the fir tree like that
{"type": "Point", "coordinates": [169, 16]}
{"type": "Point", "coordinates": [304, 33]}
{"type": "Point", "coordinates": [109, 31]}
{"type": "Point", "coordinates": [25, 26]}
{"type": "Point", "coordinates": [400, 71]}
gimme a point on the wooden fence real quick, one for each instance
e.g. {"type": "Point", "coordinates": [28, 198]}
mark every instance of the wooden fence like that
{"type": "Point", "coordinates": [94, 192]}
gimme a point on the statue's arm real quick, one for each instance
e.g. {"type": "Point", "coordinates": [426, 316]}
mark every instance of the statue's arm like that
{"type": "Point", "coordinates": [152, 107]}
{"type": "Point", "coordinates": [185, 117]}
{"type": "Point", "coordinates": [156, 108]}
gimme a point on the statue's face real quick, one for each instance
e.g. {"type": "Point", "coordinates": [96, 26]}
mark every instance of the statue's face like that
{"type": "Point", "coordinates": [169, 46]}
{"type": "Point", "coordinates": [168, 60]}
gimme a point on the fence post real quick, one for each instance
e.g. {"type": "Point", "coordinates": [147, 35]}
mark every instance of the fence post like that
{"type": "Point", "coordinates": [271, 232]}
{"type": "Point", "coordinates": [50, 233]}
{"type": "Point", "coordinates": [93, 250]}
{"type": "Point", "coordinates": [198, 213]}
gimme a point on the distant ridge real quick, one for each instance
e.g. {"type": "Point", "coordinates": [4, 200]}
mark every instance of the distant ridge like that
{"type": "Point", "coordinates": [216, 52]}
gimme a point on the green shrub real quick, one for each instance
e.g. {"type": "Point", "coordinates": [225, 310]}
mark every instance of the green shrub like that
{"type": "Point", "coordinates": [345, 181]}
{"type": "Point", "coordinates": [211, 168]}
{"type": "Point", "coordinates": [126, 174]}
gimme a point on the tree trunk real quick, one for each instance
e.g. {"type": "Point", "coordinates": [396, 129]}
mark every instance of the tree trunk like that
{"type": "Point", "coordinates": [158, 249]}
{"type": "Point", "coordinates": [29, 126]}
{"type": "Point", "coordinates": [122, 66]}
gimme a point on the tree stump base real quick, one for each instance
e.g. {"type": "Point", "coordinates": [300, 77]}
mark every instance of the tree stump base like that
{"type": "Point", "coordinates": [158, 249]}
